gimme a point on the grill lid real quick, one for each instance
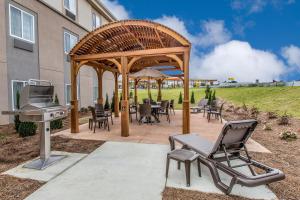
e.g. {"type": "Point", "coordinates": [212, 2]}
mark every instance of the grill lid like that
{"type": "Point", "coordinates": [37, 95]}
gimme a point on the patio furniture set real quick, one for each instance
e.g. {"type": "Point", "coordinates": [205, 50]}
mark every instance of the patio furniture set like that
{"type": "Point", "coordinates": [147, 111]}
{"type": "Point", "coordinates": [214, 108]}
{"type": "Point", "coordinates": [226, 154]}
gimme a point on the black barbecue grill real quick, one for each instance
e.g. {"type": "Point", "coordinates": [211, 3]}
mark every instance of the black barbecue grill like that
{"type": "Point", "coordinates": [36, 105]}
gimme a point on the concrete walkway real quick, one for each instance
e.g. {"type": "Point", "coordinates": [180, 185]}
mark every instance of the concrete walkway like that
{"type": "Point", "coordinates": [130, 171]}
{"type": "Point", "coordinates": [127, 171]}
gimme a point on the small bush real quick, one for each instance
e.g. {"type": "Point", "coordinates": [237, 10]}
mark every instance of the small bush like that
{"type": "Point", "coordinates": [193, 98]}
{"type": "Point", "coordinates": [27, 129]}
{"type": "Point", "coordinates": [131, 94]}
{"type": "Point", "coordinates": [207, 92]}
{"type": "Point", "coordinates": [284, 119]}
{"type": "Point", "coordinates": [112, 105]}
{"type": "Point", "coordinates": [213, 96]}
{"type": "Point", "coordinates": [288, 135]}
{"type": "Point", "coordinates": [271, 115]}
{"type": "Point", "coordinates": [106, 105]}
{"type": "Point", "coordinates": [56, 124]}
{"type": "Point", "coordinates": [17, 118]}
{"type": "Point", "coordinates": [180, 98]}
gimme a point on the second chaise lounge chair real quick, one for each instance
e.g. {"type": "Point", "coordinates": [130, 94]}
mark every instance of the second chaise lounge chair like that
{"type": "Point", "coordinates": [228, 147]}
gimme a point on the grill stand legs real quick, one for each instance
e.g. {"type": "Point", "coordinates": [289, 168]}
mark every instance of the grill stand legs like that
{"type": "Point", "coordinates": [45, 159]}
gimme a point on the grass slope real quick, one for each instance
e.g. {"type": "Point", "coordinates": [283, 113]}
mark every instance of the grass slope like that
{"type": "Point", "coordinates": [278, 99]}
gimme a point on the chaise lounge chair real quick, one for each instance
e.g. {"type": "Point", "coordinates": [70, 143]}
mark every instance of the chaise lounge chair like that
{"type": "Point", "coordinates": [228, 147]}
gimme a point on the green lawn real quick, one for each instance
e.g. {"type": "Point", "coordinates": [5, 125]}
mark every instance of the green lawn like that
{"type": "Point", "coordinates": [278, 99]}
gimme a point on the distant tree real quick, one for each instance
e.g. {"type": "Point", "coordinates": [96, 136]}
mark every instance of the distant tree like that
{"type": "Point", "coordinates": [112, 105]}
{"type": "Point", "coordinates": [106, 105]}
{"type": "Point", "coordinates": [192, 98]}
{"type": "Point", "coordinates": [120, 101]}
{"type": "Point", "coordinates": [209, 98]}
{"type": "Point", "coordinates": [131, 94]}
{"type": "Point", "coordinates": [207, 91]}
{"type": "Point", "coordinates": [213, 95]}
{"type": "Point", "coordinates": [180, 98]}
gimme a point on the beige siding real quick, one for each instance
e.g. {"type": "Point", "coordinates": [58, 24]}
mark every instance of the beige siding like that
{"type": "Point", "coordinates": [56, 4]}
{"type": "Point", "coordinates": [3, 65]}
{"type": "Point", "coordinates": [85, 14]}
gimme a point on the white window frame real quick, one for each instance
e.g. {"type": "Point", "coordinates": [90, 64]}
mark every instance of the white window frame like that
{"type": "Point", "coordinates": [94, 19]}
{"type": "Point", "coordinates": [69, 9]}
{"type": "Point", "coordinates": [66, 92]}
{"type": "Point", "coordinates": [12, 91]}
{"type": "Point", "coordinates": [71, 35]}
{"type": "Point", "coordinates": [33, 25]}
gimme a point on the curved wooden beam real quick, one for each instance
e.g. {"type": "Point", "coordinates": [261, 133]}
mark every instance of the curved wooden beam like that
{"type": "Point", "coordinates": [113, 60]}
{"type": "Point", "coordinates": [177, 59]}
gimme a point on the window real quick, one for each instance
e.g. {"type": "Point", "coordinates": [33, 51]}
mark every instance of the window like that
{"type": "Point", "coordinates": [96, 21]}
{"type": "Point", "coordinates": [69, 41]}
{"type": "Point", "coordinates": [16, 86]}
{"type": "Point", "coordinates": [70, 5]}
{"type": "Point", "coordinates": [21, 24]}
{"type": "Point", "coordinates": [68, 96]}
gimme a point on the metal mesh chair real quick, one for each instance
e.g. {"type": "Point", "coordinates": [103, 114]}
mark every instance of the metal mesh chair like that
{"type": "Point", "coordinates": [99, 108]}
{"type": "Point", "coordinates": [165, 109]}
{"type": "Point", "coordinates": [102, 120]}
{"type": "Point", "coordinates": [172, 106]}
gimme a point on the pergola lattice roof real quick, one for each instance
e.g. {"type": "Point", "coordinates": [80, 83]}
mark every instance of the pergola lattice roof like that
{"type": "Point", "coordinates": [131, 36]}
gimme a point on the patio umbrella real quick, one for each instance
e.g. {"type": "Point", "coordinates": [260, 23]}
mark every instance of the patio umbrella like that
{"type": "Point", "coordinates": [148, 74]}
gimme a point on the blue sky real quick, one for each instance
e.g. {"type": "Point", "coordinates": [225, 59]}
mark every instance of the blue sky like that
{"type": "Point", "coordinates": [247, 40]}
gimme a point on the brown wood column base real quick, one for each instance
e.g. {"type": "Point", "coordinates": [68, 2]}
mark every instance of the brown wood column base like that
{"type": "Point", "coordinates": [186, 117]}
{"type": "Point", "coordinates": [100, 101]}
{"type": "Point", "coordinates": [74, 117]}
{"type": "Point", "coordinates": [124, 118]}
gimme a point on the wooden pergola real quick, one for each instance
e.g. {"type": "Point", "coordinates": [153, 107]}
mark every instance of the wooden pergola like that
{"type": "Point", "coordinates": [125, 47]}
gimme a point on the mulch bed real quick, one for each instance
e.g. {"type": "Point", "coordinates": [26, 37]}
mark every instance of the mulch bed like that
{"type": "Point", "coordinates": [285, 155]}
{"type": "Point", "coordinates": [15, 150]}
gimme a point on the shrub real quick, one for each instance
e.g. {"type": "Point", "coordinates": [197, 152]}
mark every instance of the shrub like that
{"type": "Point", "coordinates": [209, 98]}
{"type": "Point", "coordinates": [272, 115]}
{"type": "Point", "coordinates": [112, 105]}
{"type": "Point", "coordinates": [180, 98]}
{"type": "Point", "coordinates": [288, 135]}
{"type": "Point", "coordinates": [27, 129]}
{"type": "Point", "coordinates": [284, 119]}
{"type": "Point", "coordinates": [131, 94]}
{"type": "Point", "coordinates": [56, 124]}
{"type": "Point", "coordinates": [106, 105]}
{"type": "Point", "coordinates": [207, 92]}
{"type": "Point", "coordinates": [192, 98]}
{"type": "Point", "coordinates": [56, 101]}
{"type": "Point", "coordinates": [254, 111]}
{"type": "Point", "coordinates": [120, 101]}
{"type": "Point", "coordinates": [17, 118]}
{"type": "Point", "coordinates": [213, 97]}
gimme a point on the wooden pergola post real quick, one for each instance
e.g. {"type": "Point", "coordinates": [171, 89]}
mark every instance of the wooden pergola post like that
{"type": "Point", "coordinates": [124, 103]}
{"type": "Point", "coordinates": [116, 105]}
{"type": "Point", "coordinates": [74, 100]}
{"type": "Point", "coordinates": [186, 102]}
{"type": "Point", "coordinates": [135, 91]}
{"type": "Point", "coordinates": [100, 83]}
{"type": "Point", "coordinates": [159, 82]}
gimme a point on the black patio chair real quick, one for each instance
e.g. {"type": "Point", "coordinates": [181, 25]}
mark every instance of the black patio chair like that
{"type": "Point", "coordinates": [230, 145]}
{"type": "Point", "coordinates": [215, 111]}
{"type": "Point", "coordinates": [102, 120]}
{"type": "Point", "coordinates": [164, 110]}
{"type": "Point", "coordinates": [146, 101]}
{"type": "Point", "coordinates": [99, 108]}
{"type": "Point", "coordinates": [145, 113]}
{"type": "Point", "coordinates": [172, 106]}
{"type": "Point", "coordinates": [201, 106]}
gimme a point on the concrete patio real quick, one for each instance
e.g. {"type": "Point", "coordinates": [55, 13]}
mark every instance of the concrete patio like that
{"type": "Point", "coordinates": [157, 133]}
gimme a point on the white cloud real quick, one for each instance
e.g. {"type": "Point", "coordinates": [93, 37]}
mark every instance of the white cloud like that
{"type": "Point", "coordinates": [239, 60]}
{"type": "Point", "coordinates": [292, 55]}
{"type": "Point", "coordinates": [177, 25]}
{"type": "Point", "coordinates": [213, 31]}
{"type": "Point", "coordinates": [118, 10]}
